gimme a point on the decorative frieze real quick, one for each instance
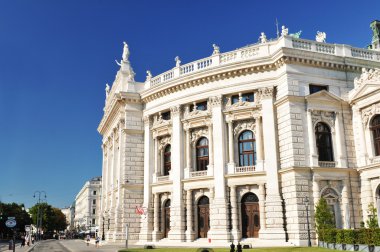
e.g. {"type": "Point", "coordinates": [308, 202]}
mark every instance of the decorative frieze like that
{"type": "Point", "coordinates": [367, 113]}
{"type": "Point", "coordinates": [323, 116]}
{"type": "Point", "coordinates": [158, 121]}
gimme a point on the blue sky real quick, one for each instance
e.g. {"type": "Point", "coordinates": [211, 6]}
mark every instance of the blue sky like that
{"type": "Point", "coordinates": [57, 56]}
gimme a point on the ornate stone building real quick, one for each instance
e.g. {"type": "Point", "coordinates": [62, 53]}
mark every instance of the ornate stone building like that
{"type": "Point", "coordinates": [228, 147]}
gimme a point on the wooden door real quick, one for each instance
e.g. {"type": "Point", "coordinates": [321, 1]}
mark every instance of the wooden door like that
{"type": "Point", "coordinates": [203, 217]}
{"type": "Point", "coordinates": [250, 220]}
{"type": "Point", "coordinates": [167, 218]}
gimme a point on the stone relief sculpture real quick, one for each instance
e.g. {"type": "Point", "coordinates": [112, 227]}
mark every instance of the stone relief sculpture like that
{"type": "Point", "coordinates": [263, 38]}
{"type": "Point", "coordinates": [284, 31]}
{"type": "Point", "coordinates": [216, 49]}
{"type": "Point", "coordinates": [244, 125]}
{"type": "Point", "coordinates": [323, 116]}
{"type": "Point", "coordinates": [320, 37]}
{"type": "Point", "coordinates": [367, 75]}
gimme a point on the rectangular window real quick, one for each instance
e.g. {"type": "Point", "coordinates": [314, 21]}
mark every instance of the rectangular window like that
{"type": "Point", "coordinates": [234, 99]}
{"type": "Point", "coordinates": [93, 211]}
{"type": "Point", "coordinates": [166, 115]}
{"type": "Point", "coordinates": [316, 88]}
{"type": "Point", "coordinates": [94, 192]}
{"type": "Point", "coordinates": [93, 221]}
{"type": "Point", "coordinates": [248, 97]}
{"type": "Point", "coordinates": [94, 201]}
{"type": "Point", "coordinates": [202, 106]}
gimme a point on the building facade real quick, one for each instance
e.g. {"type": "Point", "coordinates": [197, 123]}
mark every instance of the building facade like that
{"type": "Point", "coordinates": [87, 206]}
{"type": "Point", "coordinates": [232, 147]}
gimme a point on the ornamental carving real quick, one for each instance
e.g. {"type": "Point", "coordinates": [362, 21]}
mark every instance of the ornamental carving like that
{"type": "Point", "coordinates": [175, 110]}
{"type": "Point", "coordinates": [367, 113]}
{"type": "Point", "coordinates": [239, 126]}
{"type": "Point", "coordinates": [323, 116]}
{"type": "Point", "coordinates": [146, 119]}
{"type": "Point", "coordinates": [159, 121]}
{"type": "Point", "coordinates": [215, 101]}
{"type": "Point", "coordinates": [372, 75]}
{"type": "Point", "coordinates": [196, 113]}
{"type": "Point", "coordinates": [164, 141]}
{"type": "Point", "coordinates": [197, 133]}
{"type": "Point", "coordinates": [239, 104]}
{"type": "Point", "coordinates": [266, 92]}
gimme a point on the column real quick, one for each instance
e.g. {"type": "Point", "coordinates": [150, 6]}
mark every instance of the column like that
{"type": "Point", "coordinates": [210, 168]}
{"type": "Point", "coordinates": [340, 141]}
{"type": "Point", "coordinates": [366, 196]}
{"type": "Point", "coordinates": [146, 223]}
{"type": "Point", "coordinates": [177, 222]}
{"type": "Point", "coordinates": [156, 160]}
{"type": "Point", "coordinates": [346, 205]}
{"type": "Point", "coordinates": [219, 229]}
{"type": "Point", "coordinates": [259, 146]}
{"type": "Point", "coordinates": [262, 207]}
{"type": "Point", "coordinates": [313, 161]}
{"type": "Point", "coordinates": [273, 204]}
{"type": "Point", "coordinates": [231, 153]}
{"type": "Point", "coordinates": [235, 232]}
{"type": "Point", "coordinates": [188, 168]}
{"type": "Point", "coordinates": [316, 191]}
{"type": "Point", "coordinates": [156, 235]}
{"type": "Point", "coordinates": [189, 218]}
{"type": "Point", "coordinates": [362, 149]}
{"type": "Point", "coordinates": [119, 225]}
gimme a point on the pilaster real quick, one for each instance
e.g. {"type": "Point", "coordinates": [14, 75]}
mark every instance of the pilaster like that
{"type": "Point", "coordinates": [313, 156]}
{"type": "Point", "coordinates": [190, 234]}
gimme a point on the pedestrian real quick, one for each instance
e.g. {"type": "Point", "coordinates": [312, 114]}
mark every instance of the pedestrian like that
{"type": "Point", "coordinates": [88, 240]}
{"type": "Point", "coordinates": [232, 247]}
{"type": "Point", "coordinates": [97, 241]}
{"type": "Point", "coordinates": [32, 239]}
{"type": "Point", "coordinates": [239, 249]}
{"type": "Point", "coordinates": [27, 240]}
{"type": "Point", "coordinates": [22, 241]}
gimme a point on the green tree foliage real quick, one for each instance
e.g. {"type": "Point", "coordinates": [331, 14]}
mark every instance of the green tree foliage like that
{"type": "Point", "coordinates": [13, 210]}
{"type": "Point", "coordinates": [324, 219]}
{"type": "Point", "coordinates": [372, 220]}
{"type": "Point", "coordinates": [52, 218]}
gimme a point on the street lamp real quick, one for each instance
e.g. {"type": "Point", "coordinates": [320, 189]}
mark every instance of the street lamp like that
{"type": "Point", "coordinates": [103, 237]}
{"type": "Point", "coordinates": [307, 219]}
{"type": "Point", "coordinates": [39, 216]}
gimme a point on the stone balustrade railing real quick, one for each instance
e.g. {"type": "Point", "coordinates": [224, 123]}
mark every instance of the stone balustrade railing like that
{"type": "Point", "coordinates": [327, 164]}
{"type": "Point", "coordinates": [243, 169]}
{"type": "Point", "coordinates": [375, 160]}
{"type": "Point", "coordinates": [162, 178]}
{"type": "Point", "coordinates": [198, 174]}
{"type": "Point", "coordinates": [259, 51]}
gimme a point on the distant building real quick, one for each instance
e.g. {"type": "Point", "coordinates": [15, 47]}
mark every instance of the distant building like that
{"type": "Point", "coordinates": [233, 146]}
{"type": "Point", "coordinates": [69, 212]}
{"type": "Point", "coordinates": [87, 206]}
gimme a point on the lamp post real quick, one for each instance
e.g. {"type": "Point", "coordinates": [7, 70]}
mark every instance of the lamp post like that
{"type": "Point", "coordinates": [103, 238]}
{"type": "Point", "coordinates": [307, 219]}
{"type": "Point", "coordinates": [39, 216]}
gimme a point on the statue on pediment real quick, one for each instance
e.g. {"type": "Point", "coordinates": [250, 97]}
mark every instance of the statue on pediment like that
{"type": "Point", "coordinates": [125, 52]}
{"type": "Point", "coordinates": [263, 38]}
{"type": "Point", "coordinates": [107, 90]}
{"type": "Point", "coordinates": [284, 31]}
{"type": "Point", "coordinates": [177, 61]}
{"type": "Point", "coordinates": [216, 49]}
{"type": "Point", "coordinates": [321, 37]}
{"type": "Point", "coordinates": [296, 35]}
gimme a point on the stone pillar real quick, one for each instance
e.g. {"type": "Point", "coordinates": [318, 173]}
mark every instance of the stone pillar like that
{"type": "Point", "coordinates": [366, 196]}
{"type": "Point", "coordinates": [156, 235]}
{"type": "Point", "coordinates": [156, 159]}
{"type": "Point", "coordinates": [235, 232]}
{"type": "Point", "coordinates": [363, 155]}
{"type": "Point", "coordinates": [119, 220]}
{"type": "Point", "coordinates": [259, 145]}
{"type": "Point", "coordinates": [340, 141]}
{"type": "Point", "coordinates": [189, 218]}
{"type": "Point", "coordinates": [188, 168]}
{"type": "Point", "coordinates": [177, 222]}
{"type": "Point", "coordinates": [273, 204]}
{"type": "Point", "coordinates": [262, 207]}
{"type": "Point", "coordinates": [231, 152]}
{"type": "Point", "coordinates": [346, 205]}
{"type": "Point", "coordinates": [210, 168]}
{"type": "Point", "coordinates": [313, 158]}
{"type": "Point", "coordinates": [316, 192]}
{"type": "Point", "coordinates": [146, 223]}
{"type": "Point", "coordinates": [219, 226]}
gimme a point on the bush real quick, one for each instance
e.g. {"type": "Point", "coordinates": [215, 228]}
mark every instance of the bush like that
{"type": "Point", "coordinates": [339, 236]}
{"type": "Point", "coordinates": [376, 236]}
{"type": "Point", "coordinates": [330, 235]}
{"type": "Point", "coordinates": [350, 236]}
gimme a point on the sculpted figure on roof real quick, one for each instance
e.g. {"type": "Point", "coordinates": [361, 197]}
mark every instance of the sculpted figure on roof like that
{"type": "Point", "coordinates": [125, 52]}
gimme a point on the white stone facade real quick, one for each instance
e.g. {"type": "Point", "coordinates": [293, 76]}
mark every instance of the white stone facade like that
{"type": "Point", "coordinates": [87, 206]}
{"type": "Point", "coordinates": [267, 90]}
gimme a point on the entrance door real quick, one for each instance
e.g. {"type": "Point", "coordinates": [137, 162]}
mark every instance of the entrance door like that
{"type": "Point", "coordinates": [167, 218]}
{"type": "Point", "coordinates": [250, 213]}
{"type": "Point", "coordinates": [203, 217]}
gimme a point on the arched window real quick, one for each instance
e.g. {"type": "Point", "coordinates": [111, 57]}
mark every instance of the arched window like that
{"type": "Point", "coordinates": [323, 141]}
{"type": "Point", "coordinates": [167, 160]}
{"type": "Point", "coordinates": [247, 149]}
{"type": "Point", "coordinates": [202, 154]}
{"type": "Point", "coordinates": [375, 127]}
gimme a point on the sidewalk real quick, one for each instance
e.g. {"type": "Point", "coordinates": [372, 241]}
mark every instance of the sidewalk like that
{"type": "Point", "coordinates": [81, 245]}
{"type": "Point", "coordinates": [4, 247]}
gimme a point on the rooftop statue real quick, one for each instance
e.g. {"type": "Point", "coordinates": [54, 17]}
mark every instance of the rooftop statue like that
{"type": "Point", "coordinates": [107, 90]}
{"type": "Point", "coordinates": [125, 52]}
{"type": "Point", "coordinates": [148, 75]}
{"type": "Point", "coordinates": [375, 26]}
{"type": "Point", "coordinates": [296, 35]}
{"type": "Point", "coordinates": [284, 30]}
{"type": "Point", "coordinates": [263, 38]}
{"type": "Point", "coordinates": [216, 49]}
{"type": "Point", "coordinates": [321, 37]}
{"type": "Point", "coordinates": [177, 61]}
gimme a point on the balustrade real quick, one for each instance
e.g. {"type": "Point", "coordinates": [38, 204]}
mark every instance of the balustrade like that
{"type": "Point", "coordinates": [243, 169]}
{"type": "Point", "coordinates": [198, 174]}
{"type": "Point", "coordinates": [327, 164]}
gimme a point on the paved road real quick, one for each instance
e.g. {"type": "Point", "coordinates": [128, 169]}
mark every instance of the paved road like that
{"type": "Point", "coordinates": [49, 246]}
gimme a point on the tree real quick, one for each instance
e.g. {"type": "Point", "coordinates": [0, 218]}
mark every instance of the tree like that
{"type": "Point", "coordinates": [324, 219]}
{"type": "Point", "coordinates": [18, 212]}
{"type": "Point", "coordinates": [52, 218]}
{"type": "Point", "coordinates": [372, 213]}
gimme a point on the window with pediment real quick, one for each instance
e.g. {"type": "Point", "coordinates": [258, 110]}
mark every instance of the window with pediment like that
{"type": "Point", "coordinates": [247, 148]}
{"type": "Point", "coordinates": [202, 154]}
{"type": "Point", "coordinates": [375, 128]}
{"type": "Point", "coordinates": [332, 199]}
{"type": "Point", "coordinates": [324, 142]}
{"type": "Point", "coordinates": [167, 160]}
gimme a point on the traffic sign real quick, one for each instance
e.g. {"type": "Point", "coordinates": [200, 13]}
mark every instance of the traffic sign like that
{"type": "Point", "coordinates": [27, 228]}
{"type": "Point", "coordinates": [10, 223]}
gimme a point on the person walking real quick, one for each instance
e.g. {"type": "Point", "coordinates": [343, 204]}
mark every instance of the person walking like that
{"type": "Point", "coordinates": [97, 241]}
{"type": "Point", "coordinates": [88, 240]}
